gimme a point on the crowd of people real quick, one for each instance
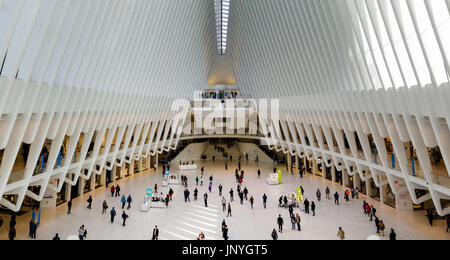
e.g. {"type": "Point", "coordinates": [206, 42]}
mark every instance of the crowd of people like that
{"type": "Point", "coordinates": [307, 206]}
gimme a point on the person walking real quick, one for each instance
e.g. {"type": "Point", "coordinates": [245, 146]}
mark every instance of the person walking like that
{"type": "Point", "coordinates": [12, 233]}
{"type": "Point", "coordinates": [224, 204]}
{"type": "Point", "coordinates": [229, 210]}
{"type": "Point", "coordinates": [252, 200]}
{"type": "Point", "coordinates": [327, 193]}
{"type": "Point", "coordinates": [195, 194]}
{"type": "Point", "coordinates": [124, 218]}
{"type": "Point", "coordinates": [336, 198]}
{"type": "Point", "coordinates": [448, 223]}
{"type": "Point", "coordinates": [280, 223]}
{"type": "Point", "coordinates": [298, 220]}
{"type": "Point", "coordinates": [205, 198]}
{"type": "Point", "coordinates": [113, 214]}
{"type": "Point", "coordinates": [33, 229]}
{"type": "Point", "coordinates": [171, 194]}
{"type": "Point", "coordinates": [124, 201]}
{"type": "Point", "coordinates": [318, 195]}
{"type": "Point", "coordinates": [89, 201]}
{"type": "Point", "coordinates": [341, 234]}
{"type": "Point", "coordinates": [231, 195]}
{"type": "Point", "coordinates": [430, 216]}
{"type": "Point", "coordinates": [225, 232]}
{"type": "Point", "coordinates": [220, 190]}
{"type": "Point", "coordinates": [274, 234]}
{"type": "Point", "coordinates": [105, 207]}
{"type": "Point", "coordinates": [118, 190]}
{"type": "Point", "coordinates": [155, 234]}
{"type": "Point", "coordinates": [382, 227]}
{"type": "Point", "coordinates": [69, 207]}
{"type": "Point", "coordinates": [129, 200]}
{"type": "Point", "coordinates": [259, 173]}
{"type": "Point", "coordinates": [313, 208]}
{"type": "Point", "coordinates": [264, 200]}
{"type": "Point", "coordinates": [113, 190]}
{"type": "Point", "coordinates": [246, 193]}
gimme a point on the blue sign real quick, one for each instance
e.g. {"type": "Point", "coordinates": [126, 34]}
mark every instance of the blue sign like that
{"type": "Point", "coordinates": [413, 166]}
{"type": "Point", "coordinates": [149, 192]}
{"type": "Point", "coordinates": [59, 159]}
{"type": "Point", "coordinates": [393, 160]}
{"type": "Point", "coordinates": [42, 163]}
{"type": "Point", "coordinates": [167, 172]}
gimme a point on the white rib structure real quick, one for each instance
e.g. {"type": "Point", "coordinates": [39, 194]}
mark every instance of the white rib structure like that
{"type": "Point", "coordinates": [107, 71]}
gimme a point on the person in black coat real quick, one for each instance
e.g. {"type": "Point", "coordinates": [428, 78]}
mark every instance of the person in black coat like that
{"type": "Point", "coordinates": [89, 201]}
{"type": "Point", "coordinates": [12, 233]}
{"type": "Point", "coordinates": [56, 238]}
{"type": "Point", "coordinates": [155, 233]}
{"type": "Point", "coordinates": [33, 228]}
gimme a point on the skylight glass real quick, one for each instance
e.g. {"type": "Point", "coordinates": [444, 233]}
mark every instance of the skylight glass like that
{"type": "Point", "coordinates": [222, 10]}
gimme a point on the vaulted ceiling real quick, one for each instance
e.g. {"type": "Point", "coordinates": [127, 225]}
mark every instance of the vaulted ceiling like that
{"type": "Point", "coordinates": [274, 48]}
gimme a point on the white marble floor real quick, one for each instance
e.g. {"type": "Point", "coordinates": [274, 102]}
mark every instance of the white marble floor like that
{"type": "Point", "coordinates": [186, 220]}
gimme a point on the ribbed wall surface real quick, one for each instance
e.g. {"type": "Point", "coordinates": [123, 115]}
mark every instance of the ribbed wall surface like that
{"type": "Point", "coordinates": [108, 71]}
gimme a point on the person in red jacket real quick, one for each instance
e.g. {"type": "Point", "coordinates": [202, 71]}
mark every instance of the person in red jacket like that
{"type": "Point", "coordinates": [113, 189]}
{"type": "Point", "coordinates": [368, 209]}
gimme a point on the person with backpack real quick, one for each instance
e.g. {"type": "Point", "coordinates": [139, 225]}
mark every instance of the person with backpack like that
{"type": "Point", "coordinates": [274, 234]}
{"type": "Point", "coordinates": [124, 218]}
{"type": "Point", "coordinates": [113, 214]}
